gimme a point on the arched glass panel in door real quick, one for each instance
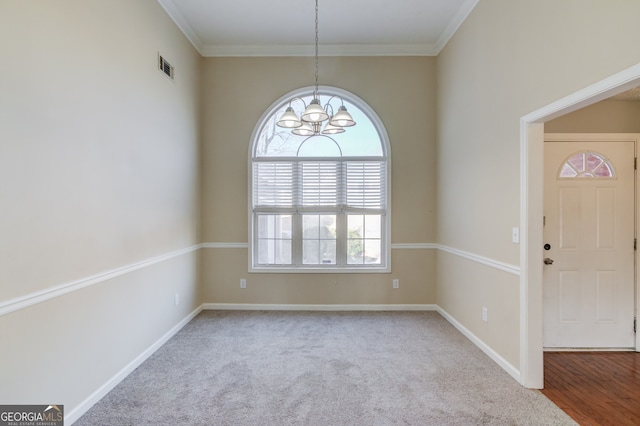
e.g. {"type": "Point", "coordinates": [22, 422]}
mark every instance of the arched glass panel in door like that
{"type": "Point", "coordinates": [587, 165]}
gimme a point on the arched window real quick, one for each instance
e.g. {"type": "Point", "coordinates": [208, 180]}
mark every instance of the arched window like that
{"type": "Point", "coordinates": [586, 164]}
{"type": "Point", "coordinates": [320, 203]}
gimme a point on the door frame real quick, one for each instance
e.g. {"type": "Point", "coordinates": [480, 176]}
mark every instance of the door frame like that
{"type": "Point", "coordinates": [531, 205]}
{"type": "Point", "coordinates": [610, 137]}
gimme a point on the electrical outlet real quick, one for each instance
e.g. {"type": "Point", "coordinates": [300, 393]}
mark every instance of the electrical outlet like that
{"type": "Point", "coordinates": [396, 283]}
{"type": "Point", "coordinates": [243, 283]}
{"type": "Point", "coordinates": [485, 314]}
{"type": "Point", "coordinates": [176, 299]}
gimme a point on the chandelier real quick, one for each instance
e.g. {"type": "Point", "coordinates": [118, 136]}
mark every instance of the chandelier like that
{"type": "Point", "coordinates": [315, 114]}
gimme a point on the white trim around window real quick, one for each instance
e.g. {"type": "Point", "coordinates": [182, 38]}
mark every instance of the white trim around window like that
{"type": "Point", "coordinates": [320, 214]}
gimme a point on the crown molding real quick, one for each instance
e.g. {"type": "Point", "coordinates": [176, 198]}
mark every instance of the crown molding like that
{"type": "Point", "coordinates": [179, 19]}
{"type": "Point", "coordinates": [212, 50]}
{"type": "Point", "coordinates": [215, 50]}
{"type": "Point", "coordinates": [455, 23]}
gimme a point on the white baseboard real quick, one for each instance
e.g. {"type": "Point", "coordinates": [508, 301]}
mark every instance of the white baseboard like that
{"type": "Point", "coordinates": [103, 390]}
{"type": "Point", "coordinates": [506, 366]}
{"type": "Point", "coordinates": [300, 307]}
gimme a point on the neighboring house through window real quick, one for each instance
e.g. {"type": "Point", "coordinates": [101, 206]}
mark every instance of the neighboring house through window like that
{"type": "Point", "coordinates": [320, 203]}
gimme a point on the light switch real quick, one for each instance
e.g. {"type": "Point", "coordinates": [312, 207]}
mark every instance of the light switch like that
{"type": "Point", "coordinates": [515, 235]}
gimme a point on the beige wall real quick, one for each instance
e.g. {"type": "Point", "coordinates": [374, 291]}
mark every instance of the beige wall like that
{"type": "Point", "coordinates": [236, 92]}
{"type": "Point", "coordinates": [223, 268]}
{"type": "Point", "coordinates": [508, 59]}
{"type": "Point", "coordinates": [601, 117]}
{"type": "Point", "coordinates": [99, 164]}
{"type": "Point", "coordinates": [102, 164]}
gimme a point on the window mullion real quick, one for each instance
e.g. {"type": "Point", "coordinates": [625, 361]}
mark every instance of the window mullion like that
{"type": "Point", "coordinates": [296, 218]}
{"type": "Point", "coordinates": [296, 243]}
{"type": "Point", "coordinates": [341, 217]}
{"type": "Point", "coordinates": [341, 239]}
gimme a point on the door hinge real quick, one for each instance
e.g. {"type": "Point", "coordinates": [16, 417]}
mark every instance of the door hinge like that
{"type": "Point", "coordinates": [635, 163]}
{"type": "Point", "coordinates": [635, 244]}
{"type": "Point", "coordinates": [544, 221]}
{"type": "Point", "coordinates": [635, 324]}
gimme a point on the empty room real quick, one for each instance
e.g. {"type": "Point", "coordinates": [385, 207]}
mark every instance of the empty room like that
{"type": "Point", "coordinates": [182, 240]}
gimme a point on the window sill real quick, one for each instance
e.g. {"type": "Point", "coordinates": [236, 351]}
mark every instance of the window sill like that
{"type": "Point", "coordinates": [314, 270]}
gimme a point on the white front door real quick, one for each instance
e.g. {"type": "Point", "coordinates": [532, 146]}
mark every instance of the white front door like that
{"type": "Point", "coordinates": [589, 232]}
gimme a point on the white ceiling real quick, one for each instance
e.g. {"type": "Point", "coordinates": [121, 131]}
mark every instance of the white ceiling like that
{"type": "Point", "coordinates": [346, 27]}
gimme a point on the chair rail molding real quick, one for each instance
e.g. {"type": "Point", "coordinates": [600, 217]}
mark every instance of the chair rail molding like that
{"type": "Point", "coordinates": [21, 302]}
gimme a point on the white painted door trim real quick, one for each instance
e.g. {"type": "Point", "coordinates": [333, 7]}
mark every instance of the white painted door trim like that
{"type": "Point", "coordinates": [531, 203]}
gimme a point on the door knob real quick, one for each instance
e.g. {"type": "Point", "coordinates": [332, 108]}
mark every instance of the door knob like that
{"type": "Point", "coordinates": [548, 261]}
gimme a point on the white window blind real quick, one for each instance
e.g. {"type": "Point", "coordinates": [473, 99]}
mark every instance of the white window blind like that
{"type": "Point", "coordinates": [352, 185]}
{"type": "Point", "coordinates": [319, 183]}
{"type": "Point", "coordinates": [273, 184]}
{"type": "Point", "coordinates": [365, 184]}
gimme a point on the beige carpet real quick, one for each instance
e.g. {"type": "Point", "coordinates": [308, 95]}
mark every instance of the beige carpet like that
{"type": "Point", "coordinates": [321, 368]}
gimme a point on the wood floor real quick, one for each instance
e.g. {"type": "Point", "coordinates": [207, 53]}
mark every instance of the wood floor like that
{"type": "Point", "coordinates": [595, 388]}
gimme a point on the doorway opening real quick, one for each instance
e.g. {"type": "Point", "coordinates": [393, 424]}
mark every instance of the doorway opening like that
{"type": "Point", "coordinates": [531, 215]}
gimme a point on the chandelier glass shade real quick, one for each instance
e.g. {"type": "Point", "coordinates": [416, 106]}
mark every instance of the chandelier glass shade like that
{"type": "Point", "coordinates": [310, 122]}
{"type": "Point", "coordinates": [289, 119]}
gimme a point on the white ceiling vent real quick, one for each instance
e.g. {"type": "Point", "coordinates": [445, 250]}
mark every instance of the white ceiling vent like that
{"type": "Point", "coordinates": [165, 66]}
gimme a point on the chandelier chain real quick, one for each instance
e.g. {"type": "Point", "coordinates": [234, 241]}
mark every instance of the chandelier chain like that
{"type": "Point", "coordinates": [316, 93]}
{"type": "Point", "coordinates": [314, 114]}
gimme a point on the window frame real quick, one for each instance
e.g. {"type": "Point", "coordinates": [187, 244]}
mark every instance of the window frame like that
{"type": "Point", "coordinates": [341, 214]}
